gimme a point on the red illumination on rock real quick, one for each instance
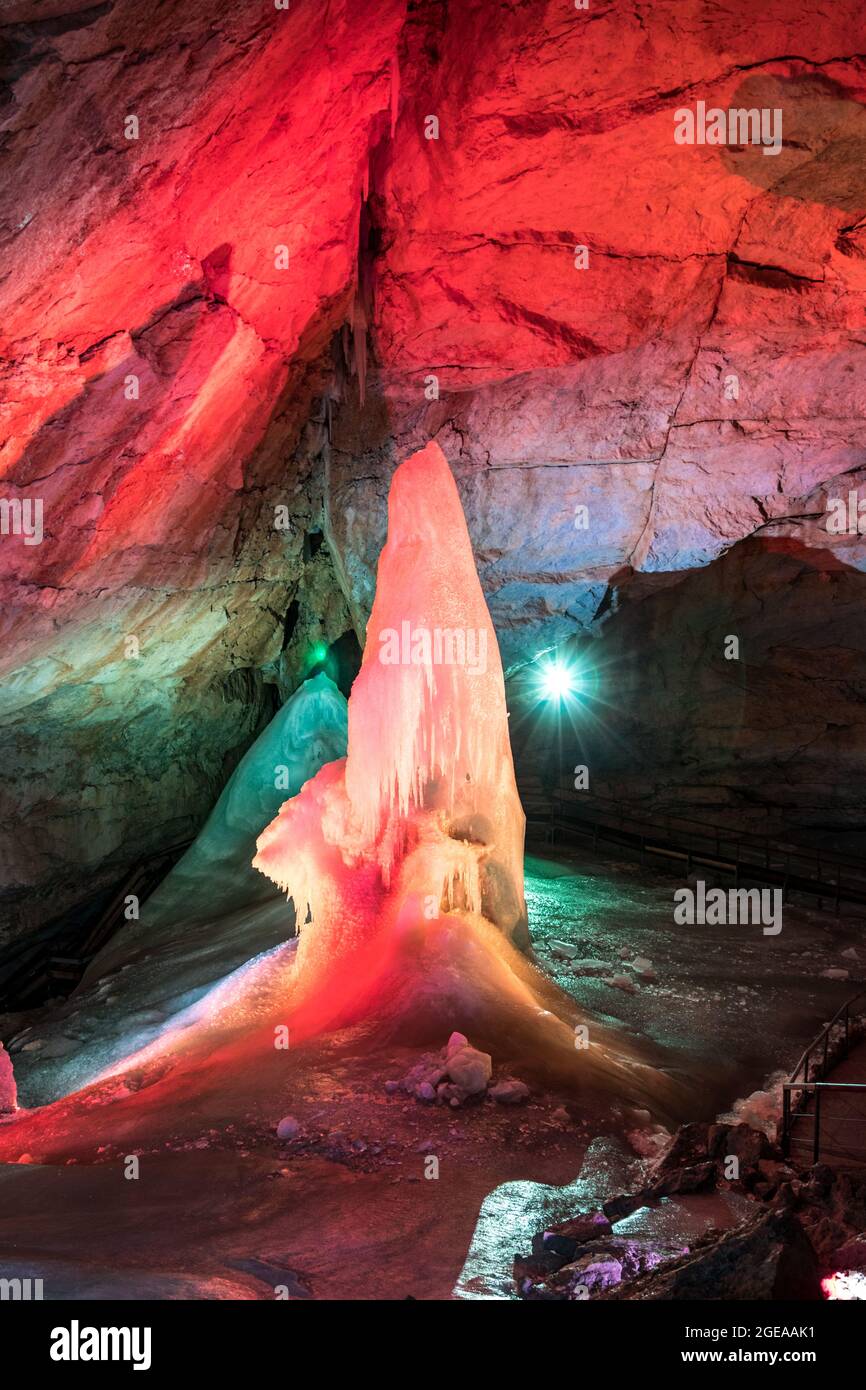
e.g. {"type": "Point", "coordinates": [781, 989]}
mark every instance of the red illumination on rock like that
{"type": "Point", "coordinates": [282, 208]}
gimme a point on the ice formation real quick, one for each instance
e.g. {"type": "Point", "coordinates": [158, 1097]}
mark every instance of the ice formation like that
{"type": "Point", "coordinates": [422, 817]}
{"type": "Point", "coordinates": [214, 877]}
{"type": "Point", "coordinates": [8, 1093]}
{"type": "Point", "coordinates": [208, 918]}
{"type": "Point", "coordinates": [409, 852]}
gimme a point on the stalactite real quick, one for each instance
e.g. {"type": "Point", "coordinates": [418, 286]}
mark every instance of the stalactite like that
{"type": "Point", "coordinates": [395, 93]}
{"type": "Point", "coordinates": [359, 342]}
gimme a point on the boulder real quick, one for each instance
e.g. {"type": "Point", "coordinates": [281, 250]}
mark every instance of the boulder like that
{"type": "Point", "coordinates": [740, 1141]}
{"type": "Point", "coordinates": [689, 1145]}
{"type": "Point", "coordinates": [680, 1180]}
{"type": "Point", "coordinates": [429, 1070]}
{"type": "Point", "coordinates": [772, 1260]}
{"type": "Point", "coordinates": [565, 1239]}
{"type": "Point", "coordinates": [618, 1207]}
{"type": "Point", "coordinates": [773, 1174]}
{"type": "Point", "coordinates": [470, 1069]}
{"type": "Point", "coordinates": [851, 1254]}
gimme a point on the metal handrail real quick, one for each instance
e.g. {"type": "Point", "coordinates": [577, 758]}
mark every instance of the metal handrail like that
{"type": "Point", "coordinates": [797, 868]}
{"type": "Point", "coordinates": [719, 833]}
{"type": "Point", "coordinates": [825, 1086]}
{"type": "Point", "coordinates": [824, 1036]}
{"type": "Point", "coordinates": [822, 1041]}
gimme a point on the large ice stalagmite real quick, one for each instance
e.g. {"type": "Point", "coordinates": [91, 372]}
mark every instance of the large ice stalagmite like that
{"type": "Point", "coordinates": [408, 852]}
{"type": "Point", "coordinates": [428, 723]}
{"type": "Point", "coordinates": [423, 817]}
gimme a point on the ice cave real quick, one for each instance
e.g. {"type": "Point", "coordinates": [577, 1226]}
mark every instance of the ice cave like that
{"type": "Point", "coordinates": [433, 663]}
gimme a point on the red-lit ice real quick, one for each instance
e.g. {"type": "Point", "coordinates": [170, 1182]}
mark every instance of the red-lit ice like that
{"type": "Point", "coordinates": [408, 854]}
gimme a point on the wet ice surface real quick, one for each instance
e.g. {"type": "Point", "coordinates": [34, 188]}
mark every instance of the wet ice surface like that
{"type": "Point", "coordinates": [70, 1044]}
{"type": "Point", "coordinates": [728, 1004]}
{"type": "Point", "coordinates": [514, 1212]}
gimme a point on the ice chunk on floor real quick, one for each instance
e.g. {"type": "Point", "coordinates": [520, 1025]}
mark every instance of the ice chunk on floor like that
{"type": "Point", "coordinates": [761, 1109]}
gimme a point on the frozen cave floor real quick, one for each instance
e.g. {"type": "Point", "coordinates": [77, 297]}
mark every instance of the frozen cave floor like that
{"type": "Point", "coordinates": [224, 1209]}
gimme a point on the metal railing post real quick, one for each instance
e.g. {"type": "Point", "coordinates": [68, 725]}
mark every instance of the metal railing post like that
{"type": "Point", "coordinates": [816, 1143]}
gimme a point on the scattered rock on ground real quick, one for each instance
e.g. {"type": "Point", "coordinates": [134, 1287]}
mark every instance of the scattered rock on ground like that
{"type": "Point", "coordinates": [509, 1092]}
{"type": "Point", "coordinates": [770, 1260]}
{"type": "Point", "coordinates": [455, 1074]}
{"type": "Point", "coordinates": [564, 950]}
{"type": "Point", "coordinates": [590, 967]}
{"type": "Point", "coordinates": [623, 982]}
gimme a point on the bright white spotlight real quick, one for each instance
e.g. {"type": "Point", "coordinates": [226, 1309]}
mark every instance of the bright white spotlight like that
{"type": "Point", "coordinates": [558, 681]}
